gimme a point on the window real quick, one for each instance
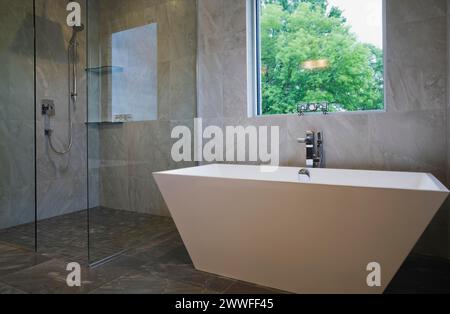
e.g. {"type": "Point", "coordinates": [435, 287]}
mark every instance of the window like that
{"type": "Point", "coordinates": [313, 54]}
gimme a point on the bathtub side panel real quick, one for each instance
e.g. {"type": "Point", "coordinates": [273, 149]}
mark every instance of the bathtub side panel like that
{"type": "Point", "coordinates": [294, 237]}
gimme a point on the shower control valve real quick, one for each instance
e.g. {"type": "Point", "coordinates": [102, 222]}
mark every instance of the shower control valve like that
{"type": "Point", "coordinates": [48, 107]}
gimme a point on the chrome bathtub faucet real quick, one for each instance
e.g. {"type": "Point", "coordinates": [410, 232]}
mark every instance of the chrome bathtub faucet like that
{"type": "Point", "coordinates": [305, 172]}
{"type": "Point", "coordinates": [314, 149]}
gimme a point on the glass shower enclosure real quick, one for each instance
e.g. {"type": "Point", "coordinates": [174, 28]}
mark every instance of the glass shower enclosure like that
{"type": "Point", "coordinates": [85, 119]}
{"type": "Point", "coordinates": [17, 125]}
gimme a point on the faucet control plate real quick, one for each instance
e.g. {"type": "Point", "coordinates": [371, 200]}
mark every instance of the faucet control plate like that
{"type": "Point", "coordinates": [48, 107]}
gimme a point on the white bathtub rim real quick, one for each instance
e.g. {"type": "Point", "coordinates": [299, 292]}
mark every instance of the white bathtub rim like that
{"type": "Point", "coordinates": [190, 172]}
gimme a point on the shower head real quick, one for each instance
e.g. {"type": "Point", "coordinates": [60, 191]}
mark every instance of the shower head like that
{"type": "Point", "coordinates": [75, 31]}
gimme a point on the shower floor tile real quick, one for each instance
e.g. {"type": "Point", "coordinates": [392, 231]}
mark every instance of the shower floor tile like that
{"type": "Point", "coordinates": [145, 283]}
{"type": "Point", "coordinates": [5, 289]}
{"type": "Point", "coordinates": [50, 277]}
{"type": "Point", "coordinates": [14, 259]}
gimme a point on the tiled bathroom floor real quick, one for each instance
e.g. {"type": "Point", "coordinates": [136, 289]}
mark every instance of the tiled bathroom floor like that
{"type": "Point", "coordinates": [157, 262]}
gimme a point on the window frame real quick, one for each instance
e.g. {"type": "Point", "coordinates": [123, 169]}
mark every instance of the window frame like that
{"type": "Point", "coordinates": [254, 63]}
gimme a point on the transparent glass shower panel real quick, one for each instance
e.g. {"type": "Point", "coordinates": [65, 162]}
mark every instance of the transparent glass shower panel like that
{"type": "Point", "coordinates": [17, 162]}
{"type": "Point", "coordinates": [142, 81]}
{"type": "Point", "coordinates": [61, 132]}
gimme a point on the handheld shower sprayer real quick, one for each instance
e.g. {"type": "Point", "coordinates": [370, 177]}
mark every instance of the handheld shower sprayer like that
{"type": "Point", "coordinates": [72, 60]}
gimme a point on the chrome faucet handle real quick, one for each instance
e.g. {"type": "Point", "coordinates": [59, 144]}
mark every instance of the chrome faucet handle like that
{"type": "Point", "coordinates": [319, 138]}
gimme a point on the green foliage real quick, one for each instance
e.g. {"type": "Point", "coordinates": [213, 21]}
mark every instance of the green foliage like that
{"type": "Point", "coordinates": [295, 31]}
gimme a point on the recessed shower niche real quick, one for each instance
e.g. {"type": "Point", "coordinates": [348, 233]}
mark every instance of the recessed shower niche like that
{"type": "Point", "coordinates": [127, 76]}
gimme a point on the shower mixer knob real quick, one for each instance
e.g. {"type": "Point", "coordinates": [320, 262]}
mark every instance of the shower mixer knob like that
{"type": "Point", "coordinates": [48, 108]}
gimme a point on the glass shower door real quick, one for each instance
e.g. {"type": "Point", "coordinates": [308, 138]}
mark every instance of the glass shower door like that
{"type": "Point", "coordinates": [17, 125]}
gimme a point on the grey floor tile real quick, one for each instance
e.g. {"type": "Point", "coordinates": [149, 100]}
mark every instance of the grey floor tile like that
{"type": "Point", "coordinates": [13, 259]}
{"type": "Point", "coordinates": [6, 289]}
{"type": "Point", "coordinates": [50, 278]}
{"type": "Point", "coordinates": [247, 288]}
{"type": "Point", "coordinates": [146, 283]}
{"type": "Point", "coordinates": [188, 274]}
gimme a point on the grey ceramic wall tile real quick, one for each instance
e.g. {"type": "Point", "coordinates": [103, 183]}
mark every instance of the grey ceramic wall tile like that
{"type": "Point", "coordinates": [93, 138]}
{"type": "Point", "coordinates": [16, 206]}
{"type": "Point", "coordinates": [211, 16]}
{"type": "Point", "coordinates": [163, 32]}
{"type": "Point", "coordinates": [113, 142]}
{"type": "Point", "coordinates": [150, 148]}
{"type": "Point", "coordinates": [182, 24]}
{"type": "Point", "coordinates": [235, 17]}
{"type": "Point", "coordinates": [210, 44]}
{"type": "Point", "coordinates": [419, 43]}
{"type": "Point", "coordinates": [410, 88]}
{"type": "Point", "coordinates": [145, 197]}
{"type": "Point", "coordinates": [54, 166]}
{"type": "Point", "coordinates": [114, 191]}
{"type": "Point", "coordinates": [346, 139]}
{"type": "Point", "coordinates": [23, 204]}
{"type": "Point", "coordinates": [17, 115]}
{"type": "Point", "coordinates": [234, 83]}
{"type": "Point", "coordinates": [62, 196]}
{"type": "Point", "coordinates": [235, 40]}
{"type": "Point", "coordinates": [405, 11]}
{"type": "Point", "coordinates": [20, 88]}
{"type": "Point", "coordinates": [126, 174]}
{"type": "Point", "coordinates": [94, 190]}
{"type": "Point", "coordinates": [401, 141]}
{"type": "Point", "coordinates": [214, 122]}
{"type": "Point", "coordinates": [163, 91]}
{"type": "Point", "coordinates": [17, 153]}
{"type": "Point", "coordinates": [269, 122]}
{"type": "Point", "coordinates": [448, 128]}
{"type": "Point", "coordinates": [210, 91]}
{"type": "Point", "coordinates": [281, 123]}
{"type": "Point", "coordinates": [182, 88]}
{"type": "Point", "coordinates": [6, 220]}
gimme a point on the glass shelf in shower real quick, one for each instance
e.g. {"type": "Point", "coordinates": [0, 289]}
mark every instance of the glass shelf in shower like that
{"type": "Point", "coordinates": [104, 122]}
{"type": "Point", "coordinates": [106, 69]}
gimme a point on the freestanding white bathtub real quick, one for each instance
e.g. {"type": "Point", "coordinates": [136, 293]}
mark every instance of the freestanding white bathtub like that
{"type": "Point", "coordinates": [315, 237]}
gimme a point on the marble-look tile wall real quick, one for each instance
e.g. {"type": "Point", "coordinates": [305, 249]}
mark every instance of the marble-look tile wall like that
{"type": "Point", "coordinates": [61, 180]}
{"type": "Point", "coordinates": [410, 135]}
{"type": "Point", "coordinates": [448, 110]}
{"type": "Point", "coordinates": [16, 114]}
{"type": "Point", "coordinates": [130, 152]}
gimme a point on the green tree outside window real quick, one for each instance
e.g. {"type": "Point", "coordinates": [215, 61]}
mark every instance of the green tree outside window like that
{"type": "Point", "coordinates": [297, 34]}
